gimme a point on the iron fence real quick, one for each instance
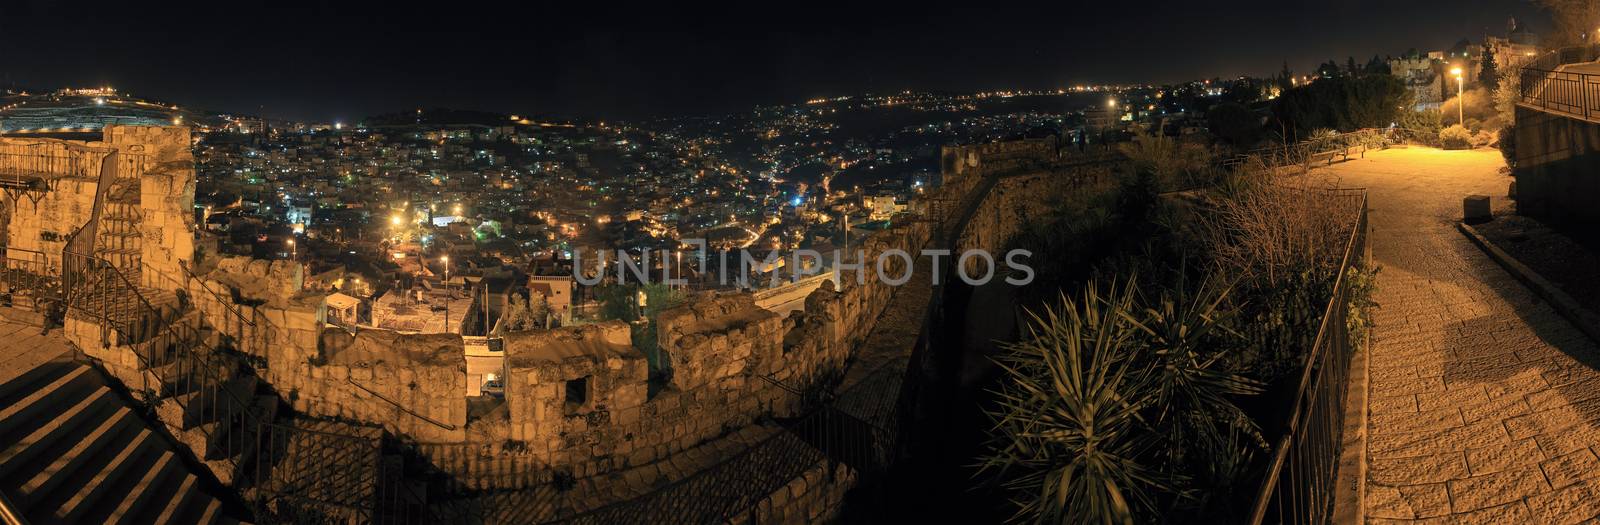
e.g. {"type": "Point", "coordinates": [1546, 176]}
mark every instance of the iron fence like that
{"type": "Point", "coordinates": [1300, 482]}
{"type": "Point", "coordinates": [1307, 152]}
{"type": "Point", "coordinates": [28, 280]}
{"type": "Point", "coordinates": [1545, 86]}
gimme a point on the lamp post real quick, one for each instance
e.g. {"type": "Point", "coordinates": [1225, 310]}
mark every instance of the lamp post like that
{"type": "Point", "coordinates": [1461, 114]}
{"type": "Point", "coordinates": [1111, 107]}
{"type": "Point", "coordinates": [446, 260]}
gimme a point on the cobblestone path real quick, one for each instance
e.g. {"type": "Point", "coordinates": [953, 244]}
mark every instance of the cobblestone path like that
{"type": "Point", "coordinates": [1484, 403]}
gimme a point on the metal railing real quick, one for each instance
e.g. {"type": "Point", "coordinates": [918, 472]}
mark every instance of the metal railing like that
{"type": "Point", "coordinates": [1567, 93]}
{"type": "Point", "coordinates": [332, 472]}
{"type": "Point", "coordinates": [28, 279]}
{"type": "Point", "coordinates": [1306, 152]}
{"type": "Point", "coordinates": [1301, 481]}
{"type": "Point", "coordinates": [1545, 87]}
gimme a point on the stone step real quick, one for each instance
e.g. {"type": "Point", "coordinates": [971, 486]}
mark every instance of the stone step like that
{"type": "Point", "coordinates": [29, 382]}
{"type": "Point", "coordinates": [17, 456]}
{"type": "Point", "coordinates": [112, 479]}
{"type": "Point", "coordinates": [81, 452]}
{"type": "Point", "coordinates": [27, 413]}
{"type": "Point", "coordinates": [149, 488]}
{"type": "Point", "coordinates": [74, 451]}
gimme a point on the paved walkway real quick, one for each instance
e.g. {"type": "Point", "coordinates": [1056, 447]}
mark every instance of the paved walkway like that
{"type": "Point", "coordinates": [1484, 403]}
{"type": "Point", "coordinates": [22, 347]}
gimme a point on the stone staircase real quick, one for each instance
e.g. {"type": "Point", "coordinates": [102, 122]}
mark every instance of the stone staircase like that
{"type": "Point", "coordinates": [72, 451]}
{"type": "Point", "coordinates": [210, 400]}
{"type": "Point", "coordinates": [118, 240]}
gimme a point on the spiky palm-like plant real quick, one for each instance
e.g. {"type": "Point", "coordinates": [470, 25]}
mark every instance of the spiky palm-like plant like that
{"type": "Point", "coordinates": [1068, 435]}
{"type": "Point", "coordinates": [1109, 407]}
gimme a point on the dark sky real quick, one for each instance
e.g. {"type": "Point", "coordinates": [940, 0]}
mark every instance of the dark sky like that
{"type": "Point", "coordinates": [345, 60]}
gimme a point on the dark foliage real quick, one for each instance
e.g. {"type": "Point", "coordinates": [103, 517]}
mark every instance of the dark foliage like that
{"type": "Point", "coordinates": [1234, 124]}
{"type": "Point", "coordinates": [1342, 103]}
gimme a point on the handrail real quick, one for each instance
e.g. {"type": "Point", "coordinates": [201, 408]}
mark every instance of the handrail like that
{"type": "Point", "coordinates": [364, 388]}
{"type": "Point", "coordinates": [249, 420]}
{"type": "Point", "coordinates": [1309, 378]}
{"type": "Point", "coordinates": [9, 514]}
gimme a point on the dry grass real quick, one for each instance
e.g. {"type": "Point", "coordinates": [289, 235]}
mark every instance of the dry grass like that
{"type": "Point", "coordinates": [1267, 230]}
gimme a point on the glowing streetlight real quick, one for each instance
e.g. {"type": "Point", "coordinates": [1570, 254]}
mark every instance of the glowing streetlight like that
{"type": "Point", "coordinates": [1461, 94]}
{"type": "Point", "coordinates": [446, 260]}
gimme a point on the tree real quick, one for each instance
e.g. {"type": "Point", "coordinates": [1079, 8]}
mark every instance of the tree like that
{"type": "Point", "coordinates": [1235, 124]}
{"type": "Point", "coordinates": [1350, 66]}
{"type": "Point", "coordinates": [1489, 76]}
{"type": "Point", "coordinates": [1113, 408]}
{"type": "Point", "coordinates": [1329, 69]}
{"type": "Point", "coordinates": [1377, 66]}
{"type": "Point", "coordinates": [1285, 78]}
{"type": "Point", "coordinates": [1574, 20]}
{"type": "Point", "coordinates": [539, 309]}
{"type": "Point", "coordinates": [517, 317]}
{"type": "Point", "coordinates": [1343, 104]}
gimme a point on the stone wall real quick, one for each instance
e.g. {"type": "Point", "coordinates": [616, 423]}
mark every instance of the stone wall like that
{"type": "Point", "coordinates": [812, 497]}
{"type": "Point", "coordinates": [410, 384]}
{"type": "Point", "coordinates": [995, 157]}
{"type": "Point", "coordinates": [166, 191]}
{"type": "Point", "coordinates": [1557, 166]}
{"type": "Point", "coordinates": [1017, 201]}
{"type": "Point", "coordinates": [576, 396]}
{"type": "Point", "coordinates": [42, 222]}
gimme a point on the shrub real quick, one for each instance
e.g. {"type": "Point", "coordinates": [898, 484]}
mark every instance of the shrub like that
{"type": "Point", "coordinates": [1111, 407]}
{"type": "Point", "coordinates": [1455, 137]}
{"type": "Point", "coordinates": [1234, 124]}
{"type": "Point", "coordinates": [1484, 138]}
{"type": "Point", "coordinates": [1508, 144]}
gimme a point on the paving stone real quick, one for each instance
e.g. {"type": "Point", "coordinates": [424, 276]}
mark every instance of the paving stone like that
{"type": "Point", "coordinates": [1495, 458]}
{"type": "Point", "coordinates": [1519, 402]}
{"type": "Point", "coordinates": [1433, 468]}
{"type": "Point", "coordinates": [1574, 504]}
{"type": "Point", "coordinates": [1571, 468]}
{"type": "Point", "coordinates": [1413, 422]}
{"type": "Point", "coordinates": [1497, 488]}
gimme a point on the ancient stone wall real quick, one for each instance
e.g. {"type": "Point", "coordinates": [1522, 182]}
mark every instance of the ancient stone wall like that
{"type": "Point", "coordinates": [969, 160]}
{"type": "Point", "coordinates": [166, 191]}
{"type": "Point", "coordinates": [576, 396]}
{"type": "Point", "coordinates": [410, 384]}
{"type": "Point", "coordinates": [812, 497]}
{"type": "Point", "coordinates": [42, 222]}
{"type": "Point", "coordinates": [1017, 201]}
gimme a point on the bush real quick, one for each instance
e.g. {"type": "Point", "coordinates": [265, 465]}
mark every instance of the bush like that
{"type": "Point", "coordinates": [1455, 137]}
{"type": "Point", "coordinates": [1508, 145]}
{"type": "Point", "coordinates": [1113, 408]}
{"type": "Point", "coordinates": [1234, 124]}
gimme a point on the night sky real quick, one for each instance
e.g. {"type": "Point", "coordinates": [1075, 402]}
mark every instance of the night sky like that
{"type": "Point", "coordinates": [346, 60]}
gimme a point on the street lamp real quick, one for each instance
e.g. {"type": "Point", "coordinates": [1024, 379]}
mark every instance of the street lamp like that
{"type": "Point", "coordinates": [446, 260]}
{"type": "Point", "coordinates": [1461, 115]}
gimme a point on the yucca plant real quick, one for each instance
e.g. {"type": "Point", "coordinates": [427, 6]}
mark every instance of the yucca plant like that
{"type": "Point", "coordinates": [1187, 338]}
{"type": "Point", "coordinates": [1068, 438]}
{"type": "Point", "coordinates": [1109, 408]}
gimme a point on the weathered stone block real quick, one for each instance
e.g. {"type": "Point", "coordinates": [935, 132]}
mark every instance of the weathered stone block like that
{"type": "Point", "coordinates": [1475, 208]}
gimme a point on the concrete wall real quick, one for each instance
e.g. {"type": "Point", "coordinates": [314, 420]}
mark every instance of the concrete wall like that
{"type": "Point", "coordinates": [1557, 166]}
